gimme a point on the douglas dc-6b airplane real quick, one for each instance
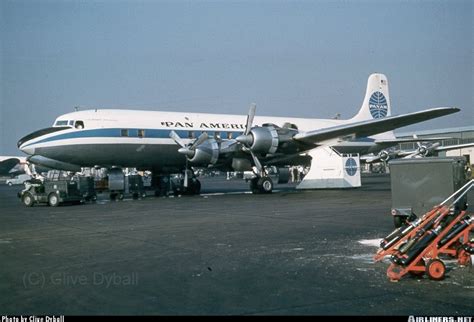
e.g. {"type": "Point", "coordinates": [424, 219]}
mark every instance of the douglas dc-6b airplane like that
{"type": "Point", "coordinates": [166, 142]}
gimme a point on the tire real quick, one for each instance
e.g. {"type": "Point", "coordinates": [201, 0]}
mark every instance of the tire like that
{"type": "Point", "coordinates": [10, 184]}
{"type": "Point", "coordinates": [53, 200]}
{"type": "Point", "coordinates": [28, 199]}
{"type": "Point", "coordinates": [120, 196]}
{"type": "Point", "coordinates": [435, 269]}
{"type": "Point", "coordinates": [265, 185]}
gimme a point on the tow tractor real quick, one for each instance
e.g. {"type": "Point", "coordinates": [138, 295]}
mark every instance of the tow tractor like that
{"type": "Point", "coordinates": [52, 193]}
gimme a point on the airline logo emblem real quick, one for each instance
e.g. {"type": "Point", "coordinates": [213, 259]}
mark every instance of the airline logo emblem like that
{"type": "Point", "coordinates": [378, 105]}
{"type": "Point", "coordinates": [351, 166]}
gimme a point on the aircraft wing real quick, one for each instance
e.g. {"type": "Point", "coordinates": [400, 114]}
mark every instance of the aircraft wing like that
{"type": "Point", "coordinates": [454, 147]}
{"type": "Point", "coordinates": [408, 140]}
{"type": "Point", "coordinates": [371, 127]}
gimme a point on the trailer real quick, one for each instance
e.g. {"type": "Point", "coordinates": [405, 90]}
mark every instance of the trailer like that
{"type": "Point", "coordinates": [116, 183]}
{"type": "Point", "coordinates": [87, 188]}
{"type": "Point", "coordinates": [135, 186]}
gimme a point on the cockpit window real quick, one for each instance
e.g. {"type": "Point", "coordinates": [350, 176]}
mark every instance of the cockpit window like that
{"type": "Point", "coordinates": [61, 123]}
{"type": "Point", "coordinates": [79, 125]}
{"type": "Point", "coordinates": [71, 122]}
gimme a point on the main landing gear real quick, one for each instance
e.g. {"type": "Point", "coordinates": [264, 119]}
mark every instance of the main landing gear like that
{"type": "Point", "coordinates": [261, 185]}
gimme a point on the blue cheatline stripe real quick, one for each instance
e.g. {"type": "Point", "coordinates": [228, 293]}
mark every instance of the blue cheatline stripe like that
{"type": "Point", "coordinates": [132, 133]}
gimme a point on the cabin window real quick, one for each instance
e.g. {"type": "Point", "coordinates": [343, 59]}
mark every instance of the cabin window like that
{"type": "Point", "coordinates": [79, 125]}
{"type": "Point", "coordinates": [191, 135]}
{"type": "Point", "coordinates": [61, 123]}
{"type": "Point", "coordinates": [124, 132]}
{"type": "Point", "coordinates": [141, 133]}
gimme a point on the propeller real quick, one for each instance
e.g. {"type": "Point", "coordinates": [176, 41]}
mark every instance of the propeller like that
{"type": "Point", "coordinates": [188, 150]}
{"type": "Point", "coordinates": [246, 138]}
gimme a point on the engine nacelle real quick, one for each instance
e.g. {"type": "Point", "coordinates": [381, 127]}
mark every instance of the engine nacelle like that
{"type": "Point", "coordinates": [264, 140]}
{"type": "Point", "coordinates": [267, 138]}
{"type": "Point", "coordinates": [205, 153]}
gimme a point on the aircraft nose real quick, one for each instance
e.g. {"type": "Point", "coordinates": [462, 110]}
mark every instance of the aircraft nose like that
{"type": "Point", "coordinates": [28, 149]}
{"type": "Point", "coordinates": [25, 145]}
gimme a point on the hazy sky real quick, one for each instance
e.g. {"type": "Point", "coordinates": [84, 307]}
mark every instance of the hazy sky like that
{"type": "Point", "coordinates": [301, 59]}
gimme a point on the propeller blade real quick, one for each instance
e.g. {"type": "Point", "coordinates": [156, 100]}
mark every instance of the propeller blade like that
{"type": "Point", "coordinates": [185, 183]}
{"type": "Point", "coordinates": [177, 139]}
{"type": "Point", "coordinates": [250, 116]}
{"type": "Point", "coordinates": [203, 137]}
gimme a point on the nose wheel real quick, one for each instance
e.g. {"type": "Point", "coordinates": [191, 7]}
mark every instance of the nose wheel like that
{"type": "Point", "coordinates": [261, 185]}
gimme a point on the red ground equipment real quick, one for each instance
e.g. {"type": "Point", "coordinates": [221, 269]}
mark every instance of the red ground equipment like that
{"type": "Point", "coordinates": [416, 247]}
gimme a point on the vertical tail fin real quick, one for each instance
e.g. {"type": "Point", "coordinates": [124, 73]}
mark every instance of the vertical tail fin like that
{"type": "Point", "coordinates": [377, 100]}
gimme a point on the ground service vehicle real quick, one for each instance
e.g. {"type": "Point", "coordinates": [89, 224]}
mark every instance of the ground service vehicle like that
{"type": "Point", "coordinates": [52, 193]}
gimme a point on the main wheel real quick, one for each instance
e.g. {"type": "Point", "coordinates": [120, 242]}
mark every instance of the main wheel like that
{"type": "Point", "coordinates": [53, 200]}
{"type": "Point", "coordinates": [10, 184]}
{"type": "Point", "coordinates": [28, 199]}
{"type": "Point", "coordinates": [435, 269]}
{"type": "Point", "coordinates": [265, 185]}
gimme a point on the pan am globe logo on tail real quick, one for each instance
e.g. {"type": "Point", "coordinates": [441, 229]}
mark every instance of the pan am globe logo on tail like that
{"type": "Point", "coordinates": [351, 166]}
{"type": "Point", "coordinates": [378, 105]}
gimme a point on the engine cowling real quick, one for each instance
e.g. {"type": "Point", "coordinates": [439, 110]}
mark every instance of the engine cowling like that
{"type": "Point", "coordinates": [266, 139]}
{"type": "Point", "coordinates": [205, 153]}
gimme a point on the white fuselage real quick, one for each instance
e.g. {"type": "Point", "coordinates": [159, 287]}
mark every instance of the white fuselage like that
{"type": "Point", "coordinates": [134, 138]}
